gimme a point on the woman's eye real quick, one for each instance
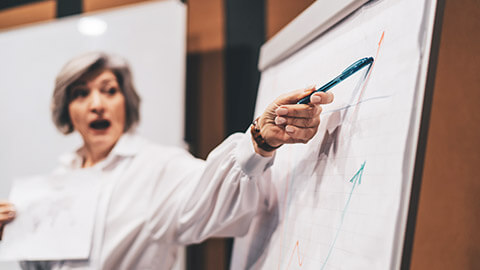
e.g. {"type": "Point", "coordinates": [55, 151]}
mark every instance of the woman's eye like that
{"type": "Point", "coordinates": [112, 91]}
{"type": "Point", "coordinates": [79, 93]}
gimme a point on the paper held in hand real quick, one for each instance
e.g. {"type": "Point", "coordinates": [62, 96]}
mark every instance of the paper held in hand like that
{"type": "Point", "coordinates": [55, 218]}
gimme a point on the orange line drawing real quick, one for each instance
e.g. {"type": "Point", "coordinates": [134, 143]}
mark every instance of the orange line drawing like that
{"type": "Point", "coordinates": [369, 73]}
{"type": "Point", "coordinates": [300, 260]}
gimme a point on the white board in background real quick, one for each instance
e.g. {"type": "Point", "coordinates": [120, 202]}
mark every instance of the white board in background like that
{"type": "Point", "coordinates": [151, 35]}
{"type": "Point", "coordinates": [341, 199]}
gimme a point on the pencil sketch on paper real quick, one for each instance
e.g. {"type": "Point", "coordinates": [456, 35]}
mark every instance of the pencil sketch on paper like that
{"type": "Point", "coordinates": [52, 213]}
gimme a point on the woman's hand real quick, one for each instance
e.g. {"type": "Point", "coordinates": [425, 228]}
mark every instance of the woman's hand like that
{"type": "Point", "coordinates": [7, 214]}
{"type": "Point", "coordinates": [285, 121]}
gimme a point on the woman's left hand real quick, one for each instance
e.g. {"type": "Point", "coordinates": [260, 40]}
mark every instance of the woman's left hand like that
{"type": "Point", "coordinates": [285, 121]}
{"type": "Point", "coordinates": [7, 214]}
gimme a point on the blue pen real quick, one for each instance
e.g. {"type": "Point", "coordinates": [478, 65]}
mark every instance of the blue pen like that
{"type": "Point", "coordinates": [367, 61]}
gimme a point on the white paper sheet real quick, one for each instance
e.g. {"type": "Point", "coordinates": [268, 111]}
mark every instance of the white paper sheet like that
{"type": "Point", "coordinates": [55, 218]}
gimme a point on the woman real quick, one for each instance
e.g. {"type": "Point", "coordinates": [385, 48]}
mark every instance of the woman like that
{"type": "Point", "coordinates": [155, 198]}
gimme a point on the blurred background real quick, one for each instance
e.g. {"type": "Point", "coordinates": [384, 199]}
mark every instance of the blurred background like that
{"type": "Point", "coordinates": [223, 41]}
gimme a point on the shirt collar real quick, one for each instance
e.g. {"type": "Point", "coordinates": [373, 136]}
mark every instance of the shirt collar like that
{"type": "Point", "coordinates": [128, 145]}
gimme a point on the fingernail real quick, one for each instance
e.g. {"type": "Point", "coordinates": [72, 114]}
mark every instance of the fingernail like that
{"type": "Point", "coordinates": [309, 88]}
{"type": "Point", "coordinates": [315, 99]}
{"type": "Point", "coordinates": [280, 120]}
{"type": "Point", "coordinates": [11, 214]}
{"type": "Point", "coordinates": [281, 111]}
{"type": "Point", "coordinates": [289, 129]}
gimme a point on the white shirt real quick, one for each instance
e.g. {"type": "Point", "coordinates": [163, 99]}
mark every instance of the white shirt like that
{"type": "Point", "coordinates": [156, 198]}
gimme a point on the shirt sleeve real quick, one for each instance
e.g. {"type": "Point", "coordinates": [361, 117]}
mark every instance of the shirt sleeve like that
{"type": "Point", "coordinates": [217, 197]}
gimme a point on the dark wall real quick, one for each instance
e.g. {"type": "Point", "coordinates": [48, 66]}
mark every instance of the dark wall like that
{"type": "Point", "coordinates": [245, 33]}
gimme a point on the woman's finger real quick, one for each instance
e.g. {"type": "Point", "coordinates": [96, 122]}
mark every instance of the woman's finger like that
{"type": "Point", "coordinates": [298, 122]}
{"type": "Point", "coordinates": [7, 215]}
{"type": "Point", "coordinates": [6, 218]}
{"type": "Point", "coordinates": [294, 96]}
{"type": "Point", "coordinates": [300, 135]}
{"type": "Point", "coordinates": [299, 110]}
{"type": "Point", "coordinates": [4, 203]}
{"type": "Point", "coordinates": [319, 98]}
{"type": "Point", "coordinates": [7, 209]}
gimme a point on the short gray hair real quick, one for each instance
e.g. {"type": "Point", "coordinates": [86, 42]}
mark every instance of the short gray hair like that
{"type": "Point", "coordinates": [87, 63]}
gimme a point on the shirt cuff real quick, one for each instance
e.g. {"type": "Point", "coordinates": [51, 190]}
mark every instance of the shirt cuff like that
{"type": "Point", "coordinates": [251, 163]}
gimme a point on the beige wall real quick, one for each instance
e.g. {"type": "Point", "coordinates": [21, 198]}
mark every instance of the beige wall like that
{"type": "Point", "coordinates": [206, 25]}
{"type": "Point", "coordinates": [26, 14]}
{"type": "Point", "coordinates": [205, 46]}
{"type": "Point", "coordinates": [447, 229]}
{"type": "Point", "coordinates": [280, 12]}
{"type": "Point", "coordinates": [95, 5]}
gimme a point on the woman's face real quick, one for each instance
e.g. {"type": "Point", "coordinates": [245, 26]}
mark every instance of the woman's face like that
{"type": "Point", "coordinates": [97, 109]}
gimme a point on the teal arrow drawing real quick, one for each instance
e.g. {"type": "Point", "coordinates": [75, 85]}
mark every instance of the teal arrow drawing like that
{"type": "Point", "coordinates": [357, 178]}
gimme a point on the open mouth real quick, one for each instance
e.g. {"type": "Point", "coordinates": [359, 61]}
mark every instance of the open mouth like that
{"type": "Point", "coordinates": [100, 124]}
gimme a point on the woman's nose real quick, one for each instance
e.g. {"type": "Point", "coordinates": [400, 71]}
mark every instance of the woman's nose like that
{"type": "Point", "coordinates": [96, 102]}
